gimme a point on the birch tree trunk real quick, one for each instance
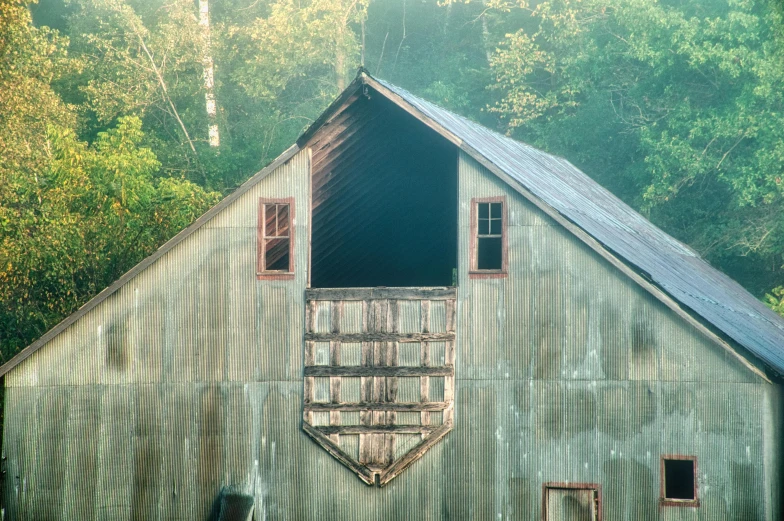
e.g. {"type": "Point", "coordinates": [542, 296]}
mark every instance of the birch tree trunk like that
{"type": "Point", "coordinates": [209, 82]}
{"type": "Point", "coordinates": [486, 34]}
{"type": "Point", "coordinates": [340, 60]}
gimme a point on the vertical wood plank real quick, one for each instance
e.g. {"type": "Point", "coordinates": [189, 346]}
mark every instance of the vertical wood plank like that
{"type": "Point", "coordinates": [309, 313]}
{"type": "Point", "coordinates": [425, 315]}
{"type": "Point", "coordinates": [334, 416]}
{"type": "Point", "coordinates": [392, 360]}
{"type": "Point", "coordinates": [379, 383]}
{"type": "Point", "coordinates": [310, 355]}
{"type": "Point", "coordinates": [310, 308]}
{"type": "Point", "coordinates": [366, 384]}
{"type": "Point", "coordinates": [334, 353]}
{"type": "Point", "coordinates": [449, 392]}
{"type": "Point", "coordinates": [425, 351]}
{"type": "Point", "coordinates": [449, 360]}
{"type": "Point", "coordinates": [389, 450]}
{"type": "Point", "coordinates": [424, 397]}
{"type": "Point", "coordinates": [379, 316]}
{"type": "Point", "coordinates": [368, 316]}
{"type": "Point", "coordinates": [424, 381]}
{"type": "Point", "coordinates": [334, 389]}
{"type": "Point", "coordinates": [307, 416]}
{"type": "Point", "coordinates": [450, 315]}
{"type": "Point", "coordinates": [393, 326]}
{"type": "Point", "coordinates": [336, 315]}
{"type": "Point", "coordinates": [379, 354]}
{"type": "Point", "coordinates": [309, 358]}
{"type": "Point", "coordinates": [393, 322]}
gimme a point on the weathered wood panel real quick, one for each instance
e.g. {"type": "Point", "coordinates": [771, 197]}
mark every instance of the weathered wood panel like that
{"type": "Point", "coordinates": [387, 443]}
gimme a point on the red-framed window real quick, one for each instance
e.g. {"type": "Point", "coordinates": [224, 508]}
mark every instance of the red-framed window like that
{"type": "Point", "coordinates": [488, 249]}
{"type": "Point", "coordinates": [275, 239]}
{"type": "Point", "coordinates": [679, 481]}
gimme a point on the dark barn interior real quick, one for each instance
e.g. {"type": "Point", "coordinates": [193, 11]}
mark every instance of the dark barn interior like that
{"type": "Point", "coordinates": [384, 200]}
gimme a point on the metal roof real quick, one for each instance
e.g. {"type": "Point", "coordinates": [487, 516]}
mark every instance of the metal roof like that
{"type": "Point", "coordinates": [668, 263]}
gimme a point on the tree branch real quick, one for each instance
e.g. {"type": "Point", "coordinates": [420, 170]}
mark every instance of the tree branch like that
{"type": "Point", "coordinates": [162, 84]}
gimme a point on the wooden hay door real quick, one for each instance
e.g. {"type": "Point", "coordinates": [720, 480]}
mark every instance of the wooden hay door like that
{"type": "Point", "coordinates": [379, 375]}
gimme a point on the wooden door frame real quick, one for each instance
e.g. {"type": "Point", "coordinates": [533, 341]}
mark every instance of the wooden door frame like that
{"type": "Point", "coordinates": [565, 485]}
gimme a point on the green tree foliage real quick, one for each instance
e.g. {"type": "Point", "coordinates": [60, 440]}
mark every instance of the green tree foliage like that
{"type": "Point", "coordinates": [88, 215]}
{"type": "Point", "coordinates": [675, 106]}
{"type": "Point", "coordinates": [437, 51]}
{"type": "Point", "coordinates": [298, 40]}
{"type": "Point", "coordinates": [281, 63]}
{"type": "Point", "coordinates": [775, 300]}
{"type": "Point", "coordinates": [149, 66]}
{"type": "Point", "coordinates": [73, 216]}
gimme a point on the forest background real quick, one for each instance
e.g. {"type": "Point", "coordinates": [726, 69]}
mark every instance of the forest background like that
{"type": "Point", "coordinates": [121, 121]}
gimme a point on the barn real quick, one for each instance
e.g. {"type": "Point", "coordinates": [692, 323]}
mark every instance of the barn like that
{"type": "Point", "coordinates": [405, 316]}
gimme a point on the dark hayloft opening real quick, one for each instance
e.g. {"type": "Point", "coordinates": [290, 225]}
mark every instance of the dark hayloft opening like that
{"type": "Point", "coordinates": [384, 199]}
{"type": "Point", "coordinates": [679, 479]}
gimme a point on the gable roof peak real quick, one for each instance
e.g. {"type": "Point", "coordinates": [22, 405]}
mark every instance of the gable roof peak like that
{"type": "Point", "coordinates": [670, 270]}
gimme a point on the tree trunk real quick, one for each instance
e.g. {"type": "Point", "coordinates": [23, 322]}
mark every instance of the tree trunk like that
{"type": "Point", "coordinates": [340, 60]}
{"type": "Point", "coordinates": [209, 81]}
{"type": "Point", "coordinates": [486, 35]}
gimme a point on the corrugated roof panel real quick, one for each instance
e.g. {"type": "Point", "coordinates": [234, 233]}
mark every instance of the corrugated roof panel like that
{"type": "Point", "coordinates": [669, 263]}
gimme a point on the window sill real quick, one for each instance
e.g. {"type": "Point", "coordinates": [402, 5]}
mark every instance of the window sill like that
{"type": "Point", "coordinates": [487, 274]}
{"type": "Point", "coordinates": [666, 502]}
{"type": "Point", "coordinates": [274, 276]}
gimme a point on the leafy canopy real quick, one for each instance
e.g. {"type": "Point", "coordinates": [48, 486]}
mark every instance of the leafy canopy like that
{"type": "Point", "coordinates": [677, 107]}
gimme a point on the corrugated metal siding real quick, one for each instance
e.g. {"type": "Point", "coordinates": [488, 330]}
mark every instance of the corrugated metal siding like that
{"type": "Point", "coordinates": [132, 433]}
{"type": "Point", "coordinates": [593, 379]}
{"type": "Point", "coordinates": [170, 448]}
{"type": "Point", "coordinates": [564, 312]}
{"type": "Point", "coordinates": [197, 314]}
{"type": "Point", "coordinates": [145, 407]}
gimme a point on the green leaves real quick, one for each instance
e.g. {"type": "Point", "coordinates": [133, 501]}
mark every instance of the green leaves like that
{"type": "Point", "coordinates": [695, 91]}
{"type": "Point", "coordinates": [88, 214]}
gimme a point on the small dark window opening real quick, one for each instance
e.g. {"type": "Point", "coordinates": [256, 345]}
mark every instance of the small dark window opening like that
{"type": "Point", "coordinates": [275, 238]}
{"type": "Point", "coordinates": [489, 236]}
{"type": "Point", "coordinates": [679, 479]}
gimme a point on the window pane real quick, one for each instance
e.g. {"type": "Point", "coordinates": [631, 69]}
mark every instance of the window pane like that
{"type": "Point", "coordinates": [483, 210]}
{"type": "Point", "coordinates": [679, 479]}
{"type": "Point", "coordinates": [283, 220]}
{"type": "Point", "coordinates": [276, 255]}
{"type": "Point", "coordinates": [495, 210]}
{"type": "Point", "coordinates": [495, 226]}
{"type": "Point", "coordinates": [483, 227]}
{"type": "Point", "coordinates": [269, 220]}
{"type": "Point", "coordinates": [489, 256]}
